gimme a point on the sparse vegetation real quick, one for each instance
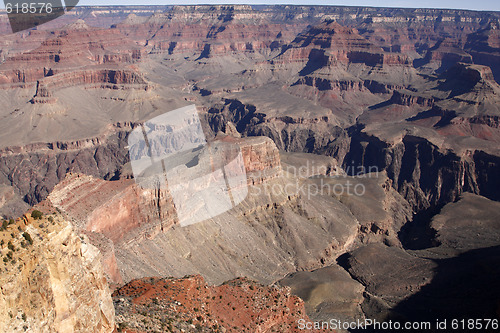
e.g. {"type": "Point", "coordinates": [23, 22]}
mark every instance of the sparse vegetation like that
{"type": "Point", "coordinates": [36, 214]}
{"type": "Point", "coordinates": [28, 238]}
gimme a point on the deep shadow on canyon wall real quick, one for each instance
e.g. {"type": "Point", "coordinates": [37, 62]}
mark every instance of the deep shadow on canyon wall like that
{"type": "Point", "coordinates": [424, 174]}
{"type": "Point", "coordinates": [463, 288]}
{"type": "Point", "coordinates": [427, 176]}
{"type": "Point", "coordinates": [34, 171]}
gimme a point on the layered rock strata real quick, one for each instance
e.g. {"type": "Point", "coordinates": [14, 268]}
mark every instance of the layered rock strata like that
{"type": "Point", "coordinates": [52, 280]}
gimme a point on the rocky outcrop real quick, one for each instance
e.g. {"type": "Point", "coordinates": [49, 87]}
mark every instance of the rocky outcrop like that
{"type": "Point", "coordinates": [184, 304]}
{"type": "Point", "coordinates": [484, 46]}
{"type": "Point", "coordinates": [73, 47]}
{"type": "Point", "coordinates": [47, 164]}
{"type": "Point", "coordinates": [409, 277]}
{"type": "Point", "coordinates": [423, 284]}
{"type": "Point", "coordinates": [288, 243]}
{"type": "Point", "coordinates": [311, 132]}
{"type": "Point", "coordinates": [113, 79]}
{"type": "Point", "coordinates": [468, 224]}
{"type": "Point", "coordinates": [328, 293]}
{"type": "Point", "coordinates": [113, 213]}
{"type": "Point", "coordinates": [122, 210]}
{"type": "Point", "coordinates": [59, 283]}
{"type": "Point", "coordinates": [422, 172]}
{"type": "Point", "coordinates": [389, 275]}
{"type": "Point", "coordinates": [330, 44]}
{"type": "Point", "coordinates": [96, 77]}
{"type": "Point", "coordinates": [408, 99]}
{"type": "Point", "coordinates": [212, 31]}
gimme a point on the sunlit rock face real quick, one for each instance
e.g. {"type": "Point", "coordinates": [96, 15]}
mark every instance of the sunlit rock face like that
{"type": "Point", "coordinates": [55, 281]}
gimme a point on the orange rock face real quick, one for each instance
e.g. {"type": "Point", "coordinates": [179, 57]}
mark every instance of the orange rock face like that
{"type": "Point", "coordinates": [114, 208]}
{"type": "Point", "coordinates": [116, 212]}
{"type": "Point", "coordinates": [340, 45]}
{"type": "Point", "coordinates": [72, 48]}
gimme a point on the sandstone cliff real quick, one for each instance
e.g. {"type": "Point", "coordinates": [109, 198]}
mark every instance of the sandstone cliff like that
{"type": "Point", "coordinates": [52, 280]}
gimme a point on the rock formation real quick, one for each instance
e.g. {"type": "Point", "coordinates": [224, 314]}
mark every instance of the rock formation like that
{"type": "Point", "coordinates": [146, 224]}
{"type": "Point", "coordinates": [239, 305]}
{"type": "Point", "coordinates": [399, 103]}
{"type": "Point", "coordinates": [52, 279]}
{"type": "Point", "coordinates": [328, 293]}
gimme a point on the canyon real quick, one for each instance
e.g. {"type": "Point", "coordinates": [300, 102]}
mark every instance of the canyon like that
{"type": "Point", "coordinates": [402, 103]}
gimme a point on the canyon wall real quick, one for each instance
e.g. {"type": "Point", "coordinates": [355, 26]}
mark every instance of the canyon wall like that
{"type": "Point", "coordinates": [35, 170]}
{"type": "Point", "coordinates": [52, 280]}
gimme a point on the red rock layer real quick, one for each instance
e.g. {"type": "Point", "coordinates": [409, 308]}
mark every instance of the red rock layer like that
{"type": "Point", "coordinates": [121, 211]}
{"type": "Point", "coordinates": [339, 45]}
{"type": "Point", "coordinates": [215, 29]}
{"type": "Point", "coordinates": [114, 209]}
{"type": "Point", "coordinates": [239, 305]}
{"type": "Point", "coordinates": [73, 47]}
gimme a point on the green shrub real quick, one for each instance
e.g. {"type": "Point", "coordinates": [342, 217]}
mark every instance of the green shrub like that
{"type": "Point", "coordinates": [36, 214]}
{"type": "Point", "coordinates": [27, 236]}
